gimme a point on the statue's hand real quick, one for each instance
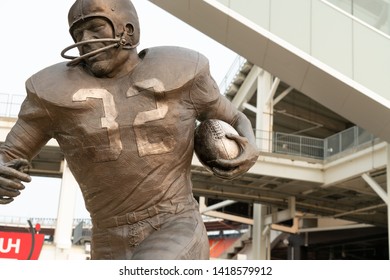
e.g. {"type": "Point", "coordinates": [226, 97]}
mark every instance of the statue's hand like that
{"type": "Point", "coordinates": [11, 177]}
{"type": "Point", "coordinates": [231, 168]}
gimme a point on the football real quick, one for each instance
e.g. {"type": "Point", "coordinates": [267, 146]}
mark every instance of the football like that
{"type": "Point", "coordinates": [211, 142]}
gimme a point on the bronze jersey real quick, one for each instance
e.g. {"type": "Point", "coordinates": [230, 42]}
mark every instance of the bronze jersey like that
{"type": "Point", "coordinates": [128, 140]}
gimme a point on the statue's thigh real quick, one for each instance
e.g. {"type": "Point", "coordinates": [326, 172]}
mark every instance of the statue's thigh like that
{"type": "Point", "coordinates": [180, 236]}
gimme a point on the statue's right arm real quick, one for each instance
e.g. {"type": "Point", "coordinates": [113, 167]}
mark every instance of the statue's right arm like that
{"type": "Point", "coordinates": [25, 139]}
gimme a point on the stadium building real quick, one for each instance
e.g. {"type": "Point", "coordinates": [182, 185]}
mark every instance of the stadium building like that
{"type": "Point", "coordinates": [312, 76]}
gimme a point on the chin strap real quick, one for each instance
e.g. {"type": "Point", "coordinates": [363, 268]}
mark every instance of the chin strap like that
{"type": "Point", "coordinates": [117, 42]}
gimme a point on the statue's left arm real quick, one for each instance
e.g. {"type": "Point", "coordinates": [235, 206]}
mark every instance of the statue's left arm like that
{"type": "Point", "coordinates": [210, 104]}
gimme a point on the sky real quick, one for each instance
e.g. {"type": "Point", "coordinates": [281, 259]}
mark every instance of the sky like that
{"type": "Point", "coordinates": [33, 35]}
{"type": "Point", "coordinates": [35, 32]}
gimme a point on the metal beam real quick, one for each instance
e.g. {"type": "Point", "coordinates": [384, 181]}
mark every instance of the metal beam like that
{"type": "Point", "coordinates": [359, 210]}
{"type": "Point", "coordinates": [217, 206]}
{"type": "Point", "coordinates": [250, 107]}
{"type": "Point", "coordinates": [247, 88]}
{"type": "Point", "coordinates": [282, 95]}
{"type": "Point", "coordinates": [333, 228]}
{"type": "Point", "coordinates": [272, 92]}
{"type": "Point", "coordinates": [281, 216]}
{"type": "Point", "coordinates": [376, 187]}
{"type": "Point", "coordinates": [229, 217]}
{"type": "Point", "coordinates": [293, 229]}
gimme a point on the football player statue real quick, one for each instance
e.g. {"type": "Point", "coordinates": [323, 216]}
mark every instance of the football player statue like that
{"type": "Point", "coordinates": [125, 122]}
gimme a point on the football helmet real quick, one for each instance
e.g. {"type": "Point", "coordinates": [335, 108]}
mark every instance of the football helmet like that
{"type": "Point", "coordinates": [120, 13]}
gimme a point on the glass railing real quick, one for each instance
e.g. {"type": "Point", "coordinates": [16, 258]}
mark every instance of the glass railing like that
{"type": "Point", "coordinates": [376, 13]}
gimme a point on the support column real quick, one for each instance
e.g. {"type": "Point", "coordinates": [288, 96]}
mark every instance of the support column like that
{"type": "Point", "coordinates": [65, 215]}
{"type": "Point", "coordinates": [264, 128]}
{"type": "Point", "coordinates": [264, 117]}
{"type": "Point", "coordinates": [259, 234]}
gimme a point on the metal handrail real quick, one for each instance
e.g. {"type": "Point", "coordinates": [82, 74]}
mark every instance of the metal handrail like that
{"type": "Point", "coordinates": [234, 69]}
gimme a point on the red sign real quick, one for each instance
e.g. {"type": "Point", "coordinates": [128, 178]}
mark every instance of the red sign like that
{"type": "Point", "coordinates": [20, 246]}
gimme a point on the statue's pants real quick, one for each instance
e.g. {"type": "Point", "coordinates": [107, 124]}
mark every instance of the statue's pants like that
{"type": "Point", "coordinates": [171, 230]}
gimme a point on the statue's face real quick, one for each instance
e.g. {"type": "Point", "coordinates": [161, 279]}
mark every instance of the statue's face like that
{"type": "Point", "coordinates": [104, 63]}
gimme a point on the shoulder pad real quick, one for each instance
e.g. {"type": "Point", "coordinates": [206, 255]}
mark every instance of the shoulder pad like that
{"type": "Point", "coordinates": [59, 79]}
{"type": "Point", "coordinates": [173, 67]}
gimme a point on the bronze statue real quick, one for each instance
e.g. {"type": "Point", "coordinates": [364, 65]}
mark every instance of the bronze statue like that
{"type": "Point", "coordinates": [125, 122]}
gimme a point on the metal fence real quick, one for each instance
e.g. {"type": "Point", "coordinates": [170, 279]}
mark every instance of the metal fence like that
{"type": "Point", "coordinates": [10, 104]}
{"type": "Point", "coordinates": [290, 144]}
{"type": "Point", "coordinates": [44, 222]}
{"type": "Point", "coordinates": [346, 140]}
{"type": "Point", "coordinates": [310, 147]}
